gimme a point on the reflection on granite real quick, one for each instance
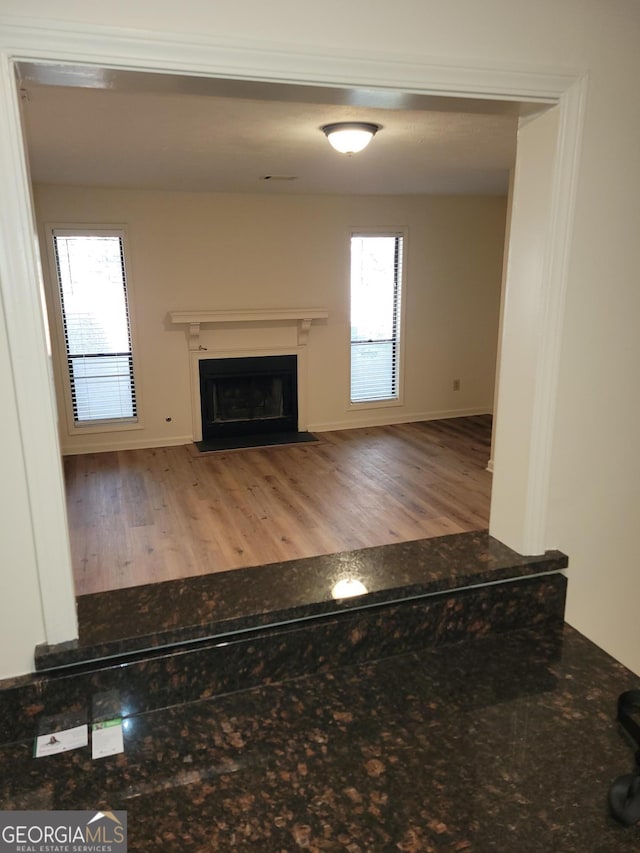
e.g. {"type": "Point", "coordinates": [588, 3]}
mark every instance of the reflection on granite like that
{"type": "Point", "coordinates": [213, 667]}
{"type": "Point", "coordinates": [154, 615]}
{"type": "Point", "coordinates": [496, 744]}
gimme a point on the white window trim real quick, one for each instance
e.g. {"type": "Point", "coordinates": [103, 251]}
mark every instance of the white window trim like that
{"type": "Point", "coordinates": [403, 232]}
{"type": "Point", "coordinates": [59, 350]}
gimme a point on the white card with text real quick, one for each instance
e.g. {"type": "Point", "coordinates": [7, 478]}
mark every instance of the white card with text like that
{"type": "Point", "coordinates": [106, 738]}
{"type": "Point", "coordinates": [56, 742]}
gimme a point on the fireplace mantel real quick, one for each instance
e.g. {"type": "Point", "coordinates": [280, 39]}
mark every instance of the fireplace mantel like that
{"type": "Point", "coordinates": [194, 319]}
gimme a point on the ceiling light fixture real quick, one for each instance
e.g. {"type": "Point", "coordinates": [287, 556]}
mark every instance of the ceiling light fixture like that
{"type": "Point", "coordinates": [349, 137]}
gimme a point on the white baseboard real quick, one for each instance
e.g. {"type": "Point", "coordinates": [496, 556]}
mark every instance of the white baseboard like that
{"type": "Point", "coordinates": [386, 417]}
{"type": "Point", "coordinates": [371, 418]}
{"type": "Point", "coordinates": [127, 444]}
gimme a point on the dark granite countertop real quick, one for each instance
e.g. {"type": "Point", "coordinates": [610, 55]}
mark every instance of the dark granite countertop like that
{"type": "Point", "coordinates": [155, 615]}
{"type": "Point", "coordinates": [490, 745]}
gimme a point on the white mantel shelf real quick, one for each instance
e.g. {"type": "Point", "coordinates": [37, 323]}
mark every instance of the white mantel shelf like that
{"type": "Point", "coordinates": [194, 319]}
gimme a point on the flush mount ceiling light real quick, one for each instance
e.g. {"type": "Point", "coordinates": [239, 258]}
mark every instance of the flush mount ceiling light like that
{"type": "Point", "coordinates": [349, 137]}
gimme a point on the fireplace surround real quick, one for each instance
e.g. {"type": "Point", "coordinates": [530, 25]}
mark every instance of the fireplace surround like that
{"type": "Point", "coordinates": [248, 333]}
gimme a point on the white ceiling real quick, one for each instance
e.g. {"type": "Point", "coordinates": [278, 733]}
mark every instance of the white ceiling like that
{"type": "Point", "coordinates": [128, 129]}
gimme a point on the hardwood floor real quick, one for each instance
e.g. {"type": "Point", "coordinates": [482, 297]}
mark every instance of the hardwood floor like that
{"type": "Point", "coordinates": [140, 516]}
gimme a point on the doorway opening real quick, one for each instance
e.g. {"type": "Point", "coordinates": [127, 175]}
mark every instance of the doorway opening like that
{"type": "Point", "coordinates": [229, 405]}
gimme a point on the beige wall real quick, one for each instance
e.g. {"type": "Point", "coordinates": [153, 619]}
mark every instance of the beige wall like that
{"type": "Point", "coordinates": [206, 251]}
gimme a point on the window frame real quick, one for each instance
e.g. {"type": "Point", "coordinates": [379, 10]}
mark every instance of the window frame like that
{"type": "Point", "coordinates": [402, 232]}
{"type": "Point", "coordinates": [59, 348]}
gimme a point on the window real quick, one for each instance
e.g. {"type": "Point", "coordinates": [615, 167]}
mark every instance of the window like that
{"type": "Point", "coordinates": [376, 283]}
{"type": "Point", "coordinates": [92, 286]}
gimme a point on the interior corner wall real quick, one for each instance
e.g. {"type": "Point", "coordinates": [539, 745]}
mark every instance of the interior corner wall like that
{"type": "Point", "coordinates": [206, 251]}
{"type": "Point", "coordinates": [522, 334]}
{"type": "Point", "coordinates": [24, 626]}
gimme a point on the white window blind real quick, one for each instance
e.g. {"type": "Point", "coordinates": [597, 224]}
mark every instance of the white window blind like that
{"type": "Point", "coordinates": [376, 277]}
{"type": "Point", "coordinates": [97, 332]}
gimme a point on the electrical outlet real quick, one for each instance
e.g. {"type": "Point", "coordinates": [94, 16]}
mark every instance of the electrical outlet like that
{"type": "Point", "coordinates": [456, 384]}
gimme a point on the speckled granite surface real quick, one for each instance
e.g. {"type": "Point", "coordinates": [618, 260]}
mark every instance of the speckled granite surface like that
{"type": "Point", "coordinates": [154, 615]}
{"type": "Point", "coordinates": [187, 673]}
{"type": "Point", "coordinates": [507, 743]}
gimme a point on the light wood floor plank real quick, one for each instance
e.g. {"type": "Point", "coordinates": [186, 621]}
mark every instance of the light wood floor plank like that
{"type": "Point", "coordinates": [143, 516]}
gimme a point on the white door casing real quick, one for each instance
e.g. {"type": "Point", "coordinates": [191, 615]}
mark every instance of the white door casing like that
{"type": "Point", "coordinates": [525, 528]}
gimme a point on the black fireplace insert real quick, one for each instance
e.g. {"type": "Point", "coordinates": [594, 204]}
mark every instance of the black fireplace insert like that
{"type": "Point", "coordinates": [248, 396]}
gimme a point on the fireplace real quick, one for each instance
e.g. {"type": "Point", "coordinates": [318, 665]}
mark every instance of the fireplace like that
{"type": "Point", "coordinates": [228, 335]}
{"type": "Point", "coordinates": [251, 396]}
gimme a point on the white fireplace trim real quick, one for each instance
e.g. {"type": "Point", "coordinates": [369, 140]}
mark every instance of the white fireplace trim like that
{"type": "Point", "coordinates": [194, 319]}
{"type": "Point", "coordinates": [196, 356]}
{"type": "Point", "coordinates": [274, 317]}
